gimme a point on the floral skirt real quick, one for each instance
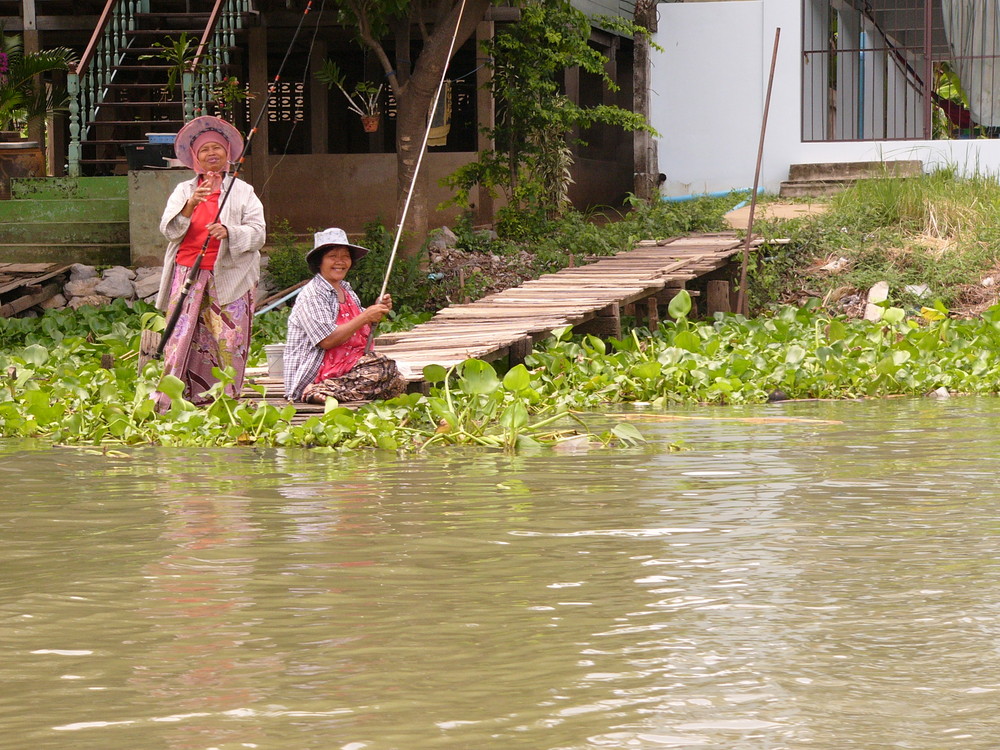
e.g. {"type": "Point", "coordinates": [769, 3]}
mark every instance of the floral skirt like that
{"type": "Point", "coordinates": [207, 335]}
{"type": "Point", "coordinates": [373, 377]}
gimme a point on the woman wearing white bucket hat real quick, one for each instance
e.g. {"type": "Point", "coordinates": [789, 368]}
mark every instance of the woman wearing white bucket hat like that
{"type": "Point", "coordinates": [213, 329]}
{"type": "Point", "coordinates": [328, 331]}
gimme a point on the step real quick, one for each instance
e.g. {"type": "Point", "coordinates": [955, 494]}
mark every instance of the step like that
{"type": "Point", "coordinates": [92, 254]}
{"type": "Point", "coordinates": [813, 188]}
{"type": "Point", "coordinates": [61, 188]}
{"type": "Point", "coordinates": [857, 170]}
{"type": "Point", "coordinates": [65, 232]}
{"type": "Point", "coordinates": [76, 209]}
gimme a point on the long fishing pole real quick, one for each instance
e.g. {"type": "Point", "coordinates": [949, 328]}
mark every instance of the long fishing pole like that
{"type": "Point", "coordinates": [196, 266]}
{"type": "Point", "coordinates": [416, 170]}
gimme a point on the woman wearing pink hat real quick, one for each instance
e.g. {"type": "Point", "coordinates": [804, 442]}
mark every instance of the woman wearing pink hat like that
{"type": "Point", "coordinates": [213, 329]}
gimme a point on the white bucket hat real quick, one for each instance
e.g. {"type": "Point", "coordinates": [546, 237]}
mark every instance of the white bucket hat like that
{"type": "Point", "coordinates": [332, 237]}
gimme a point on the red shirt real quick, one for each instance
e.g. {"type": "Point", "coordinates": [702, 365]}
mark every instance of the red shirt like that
{"type": "Point", "coordinates": [204, 214]}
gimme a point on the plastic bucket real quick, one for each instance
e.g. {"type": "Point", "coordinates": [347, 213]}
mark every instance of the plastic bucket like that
{"type": "Point", "coordinates": [275, 359]}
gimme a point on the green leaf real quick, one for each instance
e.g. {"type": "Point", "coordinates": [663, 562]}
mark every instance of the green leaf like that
{"type": "Point", "coordinates": [894, 315]}
{"type": "Point", "coordinates": [517, 378]}
{"type": "Point", "coordinates": [794, 355]}
{"type": "Point", "coordinates": [435, 373]}
{"type": "Point", "coordinates": [171, 386]}
{"type": "Point", "coordinates": [478, 377]}
{"type": "Point", "coordinates": [680, 305]}
{"type": "Point", "coordinates": [628, 434]}
{"type": "Point", "coordinates": [648, 370]}
{"type": "Point", "coordinates": [514, 417]}
{"type": "Point", "coordinates": [35, 355]}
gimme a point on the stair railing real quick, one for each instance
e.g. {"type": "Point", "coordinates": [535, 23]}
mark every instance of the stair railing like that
{"type": "Point", "coordinates": [213, 55]}
{"type": "Point", "coordinates": [88, 82]}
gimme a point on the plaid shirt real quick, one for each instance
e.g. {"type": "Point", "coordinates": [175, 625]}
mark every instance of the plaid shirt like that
{"type": "Point", "coordinates": [313, 318]}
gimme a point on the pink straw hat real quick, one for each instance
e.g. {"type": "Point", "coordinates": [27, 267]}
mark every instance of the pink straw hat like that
{"type": "Point", "coordinates": [203, 130]}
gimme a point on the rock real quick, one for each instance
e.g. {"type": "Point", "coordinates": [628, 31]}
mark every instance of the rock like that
{"type": "Point", "coordinates": [142, 273]}
{"type": "Point", "coordinates": [878, 293]}
{"type": "Point", "coordinates": [988, 281]}
{"type": "Point", "coordinates": [85, 287]}
{"type": "Point", "coordinates": [79, 271]}
{"type": "Point", "coordinates": [941, 392]}
{"type": "Point", "coordinates": [836, 266]}
{"type": "Point", "coordinates": [442, 239]}
{"type": "Point", "coordinates": [54, 303]}
{"type": "Point", "coordinates": [115, 286]}
{"type": "Point", "coordinates": [119, 271]}
{"type": "Point", "coordinates": [94, 300]}
{"type": "Point", "coordinates": [147, 286]}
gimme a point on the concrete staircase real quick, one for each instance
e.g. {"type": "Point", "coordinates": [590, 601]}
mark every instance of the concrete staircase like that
{"type": "Point", "coordinates": [814, 180]}
{"type": "Point", "coordinates": [66, 220]}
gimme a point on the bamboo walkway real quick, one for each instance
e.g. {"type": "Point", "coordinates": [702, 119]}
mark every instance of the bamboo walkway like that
{"type": "Point", "coordinates": [589, 297]}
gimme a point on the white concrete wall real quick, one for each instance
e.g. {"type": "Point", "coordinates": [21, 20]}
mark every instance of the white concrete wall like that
{"type": "Point", "coordinates": [707, 101]}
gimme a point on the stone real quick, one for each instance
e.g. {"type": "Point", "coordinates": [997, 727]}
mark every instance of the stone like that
{"type": "Point", "coordinates": [116, 286]}
{"type": "Point", "coordinates": [836, 266]}
{"type": "Point", "coordinates": [878, 293]}
{"type": "Point", "coordinates": [441, 239]}
{"type": "Point", "coordinates": [988, 281]}
{"type": "Point", "coordinates": [82, 287]}
{"type": "Point", "coordinates": [147, 286]}
{"type": "Point", "coordinates": [54, 303]}
{"type": "Point", "coordinates": [941, 392]}
{"type": "Point", "coordinates": [94, 300]}
{"type": "Point", "coordinates": [115, 271]}
{"type": "Point", "coordinates": [79, 271]}
{"type": "Point", "coordinates": [143, 272]}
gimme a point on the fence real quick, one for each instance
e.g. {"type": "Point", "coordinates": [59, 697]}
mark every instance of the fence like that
{"type": "Point", "coordinates": [900, 69]}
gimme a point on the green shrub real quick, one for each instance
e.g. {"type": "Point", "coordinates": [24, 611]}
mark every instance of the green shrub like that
{"type": "Point", "coordinates": [286, 256]}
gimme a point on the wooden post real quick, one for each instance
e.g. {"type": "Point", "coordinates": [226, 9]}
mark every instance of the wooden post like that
{"type": "Point", "coordinates": [319, 101]}
{"type": "Point", "coordinates": [652, 313]}
{"type": "Point", "coordinates": [718, 297]}
{"type": "Point", "coordinates": [259, 82]}
{"type": "Point", "coordinates": [646, 168]}
{"type": "Point", "coordinates": [518, 350]}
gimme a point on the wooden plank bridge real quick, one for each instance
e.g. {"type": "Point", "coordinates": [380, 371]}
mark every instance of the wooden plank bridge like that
{"type": "Point", "coordinates": [590, 297]}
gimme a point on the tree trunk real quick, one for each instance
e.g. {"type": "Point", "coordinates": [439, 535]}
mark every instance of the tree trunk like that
{"type": "Point", "coordinates": [413, 112]}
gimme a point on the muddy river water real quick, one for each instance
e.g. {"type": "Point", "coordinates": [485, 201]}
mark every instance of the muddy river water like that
{"type": "Point", "coordinates": [813, 575]}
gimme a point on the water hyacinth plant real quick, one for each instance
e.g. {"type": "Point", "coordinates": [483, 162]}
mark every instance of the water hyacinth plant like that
{"type": "Point", "coordinates": [53, 385]}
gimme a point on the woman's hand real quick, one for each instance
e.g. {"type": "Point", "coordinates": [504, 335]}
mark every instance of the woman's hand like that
{"type": "Point", "coordinates": [218, 231]}
{"type": "Point", "coordinates": [376, 312]}
{"type": "Point", "coordinates": [205, 188]}
{"type": "Point", "coordinates": [386, 300]}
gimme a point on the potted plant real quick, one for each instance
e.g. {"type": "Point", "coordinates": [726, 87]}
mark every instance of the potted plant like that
{"type": "Point", "coordinates": [226, 94]}
{"type": "Point", "coordinates": [179, 56]}
{"type": "Point", "coordinates": [22, 98]}
{"type": "Point", "coordinates": [364, 99]}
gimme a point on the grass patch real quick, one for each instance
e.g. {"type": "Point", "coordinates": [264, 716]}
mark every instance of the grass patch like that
{"type": "Point", "coordinates": [940, 231]}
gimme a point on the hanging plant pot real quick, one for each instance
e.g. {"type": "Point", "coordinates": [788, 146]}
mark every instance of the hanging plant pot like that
{"type": "Point", "coordinates": [370, 123]}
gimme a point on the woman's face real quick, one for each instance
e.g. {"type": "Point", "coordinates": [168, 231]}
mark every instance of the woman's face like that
{"type": "Point", "coordinates": [212, 157]}
{"type": "Point", "coordinates": [335, 264]}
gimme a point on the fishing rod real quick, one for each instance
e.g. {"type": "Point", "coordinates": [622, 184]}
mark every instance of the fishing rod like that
{"type": "Point", "coordinates": [196, 266]}
{"type": "Point", "coordinates": [416, 170]}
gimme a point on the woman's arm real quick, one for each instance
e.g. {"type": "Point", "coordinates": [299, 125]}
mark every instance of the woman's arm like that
{"type": "Point", "coordinates": [174, 224]}
{"type": "Point", "coordinates": [245, 228]}
{"type": "Point", "coordinates": [344, 331]}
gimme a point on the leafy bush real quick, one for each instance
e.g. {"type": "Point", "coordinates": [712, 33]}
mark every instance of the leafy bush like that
{"type": "Point", "coordinates": [286, 256]}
